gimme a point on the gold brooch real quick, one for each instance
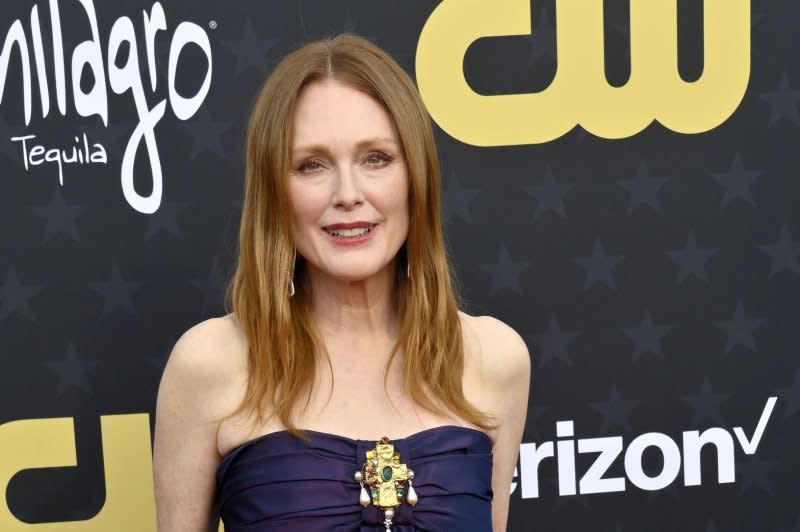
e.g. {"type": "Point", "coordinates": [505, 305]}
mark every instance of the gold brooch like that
{"type": "Point", "coordinates": [385, 476]}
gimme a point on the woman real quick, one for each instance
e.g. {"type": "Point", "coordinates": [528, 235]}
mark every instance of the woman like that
{"type": "Point", "coordinates": [345, 329]}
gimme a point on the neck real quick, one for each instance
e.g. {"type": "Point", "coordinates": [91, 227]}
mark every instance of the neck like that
{"type": "Point", "coordinates": [360, 309]}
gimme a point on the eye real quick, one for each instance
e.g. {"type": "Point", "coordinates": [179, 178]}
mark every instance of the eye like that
{"type": "Point", "coordinates": [308, 167]}
{"type": "Point", "coordinates": [378, 159]}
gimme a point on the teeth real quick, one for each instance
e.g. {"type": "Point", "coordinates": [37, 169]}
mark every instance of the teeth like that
{"type": "Point", "coordinates": [358, 231]}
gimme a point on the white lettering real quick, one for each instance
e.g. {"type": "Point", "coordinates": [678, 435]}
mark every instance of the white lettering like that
{"type": "Point", "coordinates": [609, 448]}
{"type": "Point", "coordinates": [58, 57]}
{"type": "Point", "coordinates": [670, 453]}
{"type": "Point", "coordinates": [592, 481]}
{"type": "Point", "coordinates": [156, 21]}
{"type": "Point", "coordinates": [566, 458]}
{"type": "Point", "coordinates": [38, 54]}
{"type": "Point", "coordinates": [185, 33]}
{"type": "Point", "coordinates": [33, 157]}
{"type": "Point", "coordinates": [87, 57]}
{"type": "Point", "coordinates": [16, 35]}
{"type": "Point", "coordinates": [144, 204]}
{"type": "Point", "coordinates": [530, 456]}
{"type": "Point", "coordinates": [88, 53]}
{"type": "Point", "coordinates": [24, 147]}
{"type": "Point", "coordinates": [693, 443]}
{"type": "Point", "coordinates": [750, 446]}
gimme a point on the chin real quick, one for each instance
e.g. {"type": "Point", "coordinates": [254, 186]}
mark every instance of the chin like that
{"type": "Point", "coordinates": [357, 271]}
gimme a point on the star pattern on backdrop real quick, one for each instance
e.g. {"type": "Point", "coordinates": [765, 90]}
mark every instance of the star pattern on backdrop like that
{"type": "Point", "coordinates": [706, 405]}
{"type": "Point", "coordinates": [15, 296]}
{"type": "Point", "coordinates": [211, 287]}
{"type": "Point", "coordinates": [249, 51]}
{"type": "Point", "coordinates": [456, 199]}
{"type": "Point", "coordinates": [165, 219]}
{"type": "Point", "coordinates": [549, 195]}
{"type": "Point", "coordinates": [206, 133]}
{"type": "Point", "coordinates": [584, 210]}
{"type": "Point", "coordinates": [736, 182]}
{"type": "Point", "coordinates": [753, 472]}
{"type": "Point", "coordinates": [647, 337]}
{"type": "Point", "coordinates": [59, 217]}
{"type": "Point", "coordinates": [599, 267]}
{"type": "Point", "coordinates": [72, 371]}
{"type": "Point", "coordinates": [783, 102]}
{"type": "Point", "coordinates": [505, 272]}
{"type": "Point", "coordinates": [643, 189]}
{"type": "Point", "coordinates": [554, 343]}
{"type": "Point", "coordinates": [691, 260]}
{"type": "Point", "coordinates": [790, 397]}
{"type": "Point", "coordinates": [615, 411]}
{"type": "Point", "coordinates": [117, 293]}
{"type": "Point", "coordinates": [740, 329]}
{"type": "Point", "coordinates": [784, 254]}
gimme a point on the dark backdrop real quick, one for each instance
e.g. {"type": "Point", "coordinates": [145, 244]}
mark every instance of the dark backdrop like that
{"type": "Point", "coordinates": [655, 277]}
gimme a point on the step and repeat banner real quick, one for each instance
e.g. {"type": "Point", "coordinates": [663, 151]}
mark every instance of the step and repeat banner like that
{"type": "Point", "coordinates": [620, 186]}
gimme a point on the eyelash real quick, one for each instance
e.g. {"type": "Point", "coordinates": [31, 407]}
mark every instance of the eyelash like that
{"type": "Point", "coordinates": [384, 159]}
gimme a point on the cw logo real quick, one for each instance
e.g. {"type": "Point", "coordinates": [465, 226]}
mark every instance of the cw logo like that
{"type": "Point", "coordinates": [579, 92]}
{"type": "Point", "coordinates": [127, 460]}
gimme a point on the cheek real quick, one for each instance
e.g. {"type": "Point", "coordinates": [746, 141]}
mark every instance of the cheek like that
{"type": "Point", "coordinates": [308, 205]}
{"type": "Point", "coordinates": [396, 201]}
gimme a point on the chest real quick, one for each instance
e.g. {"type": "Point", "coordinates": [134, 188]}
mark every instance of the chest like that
{"type": "Point", "coordinates": [355, 397]}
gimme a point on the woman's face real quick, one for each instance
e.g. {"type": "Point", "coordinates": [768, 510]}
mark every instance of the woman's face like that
{"type": "Point", "coordinates": [348, 184]}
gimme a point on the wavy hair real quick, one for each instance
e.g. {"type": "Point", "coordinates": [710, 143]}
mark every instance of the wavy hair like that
{"type": "Point", "coordinates": [280, 331]}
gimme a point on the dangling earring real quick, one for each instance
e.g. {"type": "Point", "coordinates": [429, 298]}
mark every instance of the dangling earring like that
{"type": "Point", "coordinates": [291, 281]}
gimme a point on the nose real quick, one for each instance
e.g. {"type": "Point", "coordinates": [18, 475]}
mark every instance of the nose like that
{"type": "Point", "coordinates": [347, 192]}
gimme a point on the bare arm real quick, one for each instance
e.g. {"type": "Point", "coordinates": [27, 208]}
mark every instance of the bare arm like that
{"type": "Point", "coordinates": [506, 371]}
{"type": "Point", "coordinates": [197, 389]}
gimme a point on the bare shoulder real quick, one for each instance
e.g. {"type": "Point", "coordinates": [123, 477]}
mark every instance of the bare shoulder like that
{"type": "Point", "coordinates": [495, 349]}
{"type": "Point", "coordinates": [209, 349]}
{"type": "Point", "coordinates": [201, 384]}
{"type": "Point", "coordinates": [497, 376]}
{"type": "Point", "coordinates": [208, 359]}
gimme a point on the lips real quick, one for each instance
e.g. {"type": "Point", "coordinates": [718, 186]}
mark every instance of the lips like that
{"type": "Point", "coordinates": [349, 230]}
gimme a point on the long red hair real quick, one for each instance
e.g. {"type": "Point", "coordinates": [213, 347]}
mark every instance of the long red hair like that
{"type": "Point", "coordinates": [280, 331]}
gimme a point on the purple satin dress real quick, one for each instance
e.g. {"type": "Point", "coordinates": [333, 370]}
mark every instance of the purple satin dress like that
{"type": "Point", "coordinates": [280, 483]}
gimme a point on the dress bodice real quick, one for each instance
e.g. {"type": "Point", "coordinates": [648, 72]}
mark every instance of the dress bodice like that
{"type": "Point", "coordinates": [279, 482]}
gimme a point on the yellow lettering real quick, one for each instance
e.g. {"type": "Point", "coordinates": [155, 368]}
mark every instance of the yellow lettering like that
{"type": "Point", "coordinates": [44, 443]}
{"type": "Point", "coordinates": [579, 92]}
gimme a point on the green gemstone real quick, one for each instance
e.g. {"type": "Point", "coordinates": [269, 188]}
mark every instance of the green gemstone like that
{"type": "Point", "coordinates": [386, 474]}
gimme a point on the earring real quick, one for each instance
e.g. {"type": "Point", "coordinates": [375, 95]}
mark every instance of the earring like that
{"type": "Point", "coordinates": [291, 281]}
{"type": "Point", "coordinates": [408, 271]}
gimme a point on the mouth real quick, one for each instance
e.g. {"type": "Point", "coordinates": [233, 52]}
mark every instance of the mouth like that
{"type": "Point", "coordinates": [349, 230]}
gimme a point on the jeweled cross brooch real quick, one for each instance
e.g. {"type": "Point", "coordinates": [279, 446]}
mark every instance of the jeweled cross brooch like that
{"type": "Point", "coordinates": [385, 476]}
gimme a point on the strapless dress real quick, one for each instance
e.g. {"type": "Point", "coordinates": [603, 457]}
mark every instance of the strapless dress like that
{"type": "Point", "coordinates": [280, 483]}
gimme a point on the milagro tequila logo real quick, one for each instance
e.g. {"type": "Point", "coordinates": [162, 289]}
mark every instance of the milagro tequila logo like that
{"type": "Point", "coordinates": [123, 75]}
{"type": "Point", "coordinates": [675, 456]}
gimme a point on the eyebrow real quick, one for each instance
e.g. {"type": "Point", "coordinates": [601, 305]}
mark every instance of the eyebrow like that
{"type": "Point", "coordinates": [320, 148]}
